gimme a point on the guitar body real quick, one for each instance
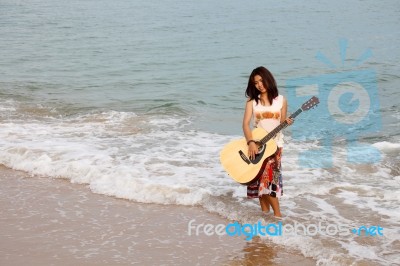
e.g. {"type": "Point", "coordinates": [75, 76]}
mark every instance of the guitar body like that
{"type": "Point", "coordinates": [234, 158]}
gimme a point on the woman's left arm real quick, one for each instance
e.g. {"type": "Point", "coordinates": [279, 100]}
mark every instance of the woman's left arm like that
{"type": "Point", "coordinates": [284, 113]}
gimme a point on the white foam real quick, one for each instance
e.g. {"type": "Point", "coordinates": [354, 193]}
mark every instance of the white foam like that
{"type": "Point", "coordinates": [171, 167]}
{"type": "Point", "coordinates": [7, 106]}
{"type": "Point", "coordinates": [362, 252]}
{"type": "Point", "coordinates": [387, 146]}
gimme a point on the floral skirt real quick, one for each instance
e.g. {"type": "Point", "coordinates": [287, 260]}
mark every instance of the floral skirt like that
{"type": "Point", "coordinates": [270, 181]}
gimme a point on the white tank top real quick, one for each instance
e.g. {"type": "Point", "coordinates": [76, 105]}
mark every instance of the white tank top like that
{"type": "Point", "coordinates": [269, 117]}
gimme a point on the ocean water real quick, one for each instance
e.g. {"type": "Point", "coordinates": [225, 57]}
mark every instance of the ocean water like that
{"type": "Point", "coordinates": [136, 99]}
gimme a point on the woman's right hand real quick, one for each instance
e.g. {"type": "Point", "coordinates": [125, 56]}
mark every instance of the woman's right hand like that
{"type": "Point", "coordinates": [253, 150]}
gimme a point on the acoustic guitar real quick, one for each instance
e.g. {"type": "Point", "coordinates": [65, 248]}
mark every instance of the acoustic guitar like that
{"type": "Point", "coordinates": [235, 160]}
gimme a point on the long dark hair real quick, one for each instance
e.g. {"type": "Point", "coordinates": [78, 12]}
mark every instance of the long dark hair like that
{"type": "Point", "coordinates": [268, 81]}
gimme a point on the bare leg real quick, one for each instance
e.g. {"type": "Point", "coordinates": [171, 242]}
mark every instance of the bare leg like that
{"type": "Point", "coordinates": [264, 203]}
{"type": "Point", "coordinates": [274, 202]}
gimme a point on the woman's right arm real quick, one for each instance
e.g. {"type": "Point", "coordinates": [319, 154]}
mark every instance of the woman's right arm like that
{"type": "Point", "coordinates": [248, 112]}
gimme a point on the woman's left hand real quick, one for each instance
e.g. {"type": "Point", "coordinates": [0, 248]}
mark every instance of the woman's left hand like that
{"type": "Point", "coordinates": [289, 121]}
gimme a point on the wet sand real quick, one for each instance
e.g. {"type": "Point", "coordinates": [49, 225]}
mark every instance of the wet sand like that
{"type": "Point", "coordinates": [47, 221]}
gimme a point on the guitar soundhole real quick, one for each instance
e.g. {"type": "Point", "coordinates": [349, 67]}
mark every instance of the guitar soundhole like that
{"type": "Point", "coordinates": [261, 149]}
{"type": "Point", "coordinates": [259, 155]}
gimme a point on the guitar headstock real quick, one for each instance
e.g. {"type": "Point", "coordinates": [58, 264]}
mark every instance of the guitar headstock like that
{"type": "Point", "coordinates": [314, 101]}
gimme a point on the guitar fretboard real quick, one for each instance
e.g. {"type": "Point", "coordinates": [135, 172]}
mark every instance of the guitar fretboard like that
{"type": "Point", "coordinates": [271, 134]}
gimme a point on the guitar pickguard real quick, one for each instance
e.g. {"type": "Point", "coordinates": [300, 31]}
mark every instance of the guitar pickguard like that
{"type": "Point", "coordinates": [257, 158]}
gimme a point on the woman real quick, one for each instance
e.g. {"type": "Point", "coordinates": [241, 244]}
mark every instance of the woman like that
{"type": "Point", "coordinates": [268, 109]}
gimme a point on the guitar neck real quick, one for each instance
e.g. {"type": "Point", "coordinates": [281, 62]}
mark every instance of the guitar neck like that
{"type": "Point", "coordinates": [275, 131]}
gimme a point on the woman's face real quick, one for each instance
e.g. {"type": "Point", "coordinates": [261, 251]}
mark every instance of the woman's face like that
{"type": "Point", "coordinates": [259, 84]}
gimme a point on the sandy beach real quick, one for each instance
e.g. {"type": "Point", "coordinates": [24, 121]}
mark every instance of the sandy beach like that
{"type": "Point", "coordinates": [53, 222]}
